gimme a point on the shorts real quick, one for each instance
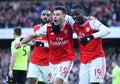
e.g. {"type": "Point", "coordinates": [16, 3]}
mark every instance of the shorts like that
{"type": "Point", "coordinates": [35, 71]}
{"type": "Point", "coordinates": [62, 70]}
{"type": "Point", "coordinates": [93, 71]}
{"type": "Point", "coordinates": [19, 76]}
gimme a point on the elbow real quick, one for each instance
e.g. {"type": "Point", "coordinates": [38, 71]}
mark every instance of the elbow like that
{"type": "Point", "coordinates": [33, 35]}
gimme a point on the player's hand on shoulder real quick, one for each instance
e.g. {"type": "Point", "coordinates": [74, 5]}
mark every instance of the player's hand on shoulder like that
{"type": "Point", "coordinates": [17, 45]}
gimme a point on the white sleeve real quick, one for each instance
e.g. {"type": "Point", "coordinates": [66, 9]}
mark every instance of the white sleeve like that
{"type": "Point", "coordinates": [42, 31]}
{"type": "Point", "coordinates": [69, 20]}
{"type": "Point", "coordinates": [46, 44]}
{"type": "Point", "coordinates": [102, 29]}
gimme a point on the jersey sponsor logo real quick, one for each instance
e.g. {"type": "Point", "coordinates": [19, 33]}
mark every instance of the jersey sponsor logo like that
{"type": "Point", "coordinates": [63, 42]}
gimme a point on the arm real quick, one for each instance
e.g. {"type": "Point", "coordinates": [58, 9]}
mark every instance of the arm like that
{"type": "Point", "coordinates": [102, 29]}
{"type": "Point", "coordinates": [69, 20]}
{"type": "Point", "coordinates": [110, 75]}
{"type": "Point", "coordinates": [28, 38]}
{"type": "Point", "coordinates": [12, 60]}
{"type": "Point", "coordinates": [40, 32]}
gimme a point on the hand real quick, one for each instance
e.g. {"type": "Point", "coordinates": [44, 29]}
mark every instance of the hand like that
{"type": "Point", "coordinates": [86, 39]}
{"type": "Point", "coordinates": [55, 28]}
{"type": "Point", "coordinates": [39, 43]}
{"type": "Point", "coordinates": [10, 73]}
{"type": "Point", "coordinates": [17, 45]}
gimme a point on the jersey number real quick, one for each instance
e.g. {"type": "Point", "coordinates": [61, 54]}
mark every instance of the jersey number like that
{"type": "Point", "coordinates": [24, 50]}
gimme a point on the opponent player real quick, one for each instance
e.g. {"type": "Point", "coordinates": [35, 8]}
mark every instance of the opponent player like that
{"type": "Point", "coordinates": [61, 53]}
{"type": "Point", "coordinates": [92, 57]}
{"type": "Point", "coordinates": [19, 59]}
{"type": "Point", "coordinates": [115, 75]}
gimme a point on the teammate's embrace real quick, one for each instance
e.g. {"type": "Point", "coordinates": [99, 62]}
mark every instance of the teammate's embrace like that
{"type": "Point", "coordinates": [61, 52]}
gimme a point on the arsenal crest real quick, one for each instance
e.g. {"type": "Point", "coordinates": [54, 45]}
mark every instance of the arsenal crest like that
{"type": "Point", "coordinates": [87, 29]}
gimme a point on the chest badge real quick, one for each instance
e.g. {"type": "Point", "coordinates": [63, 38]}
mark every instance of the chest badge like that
{"type": "Point", "coordinates": [87, 29]}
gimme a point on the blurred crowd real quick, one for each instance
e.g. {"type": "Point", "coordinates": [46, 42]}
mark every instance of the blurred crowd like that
{"type": "Point", "coordinates": [26, 13]}
{"type": "Point", "coordinates": [112, 53]}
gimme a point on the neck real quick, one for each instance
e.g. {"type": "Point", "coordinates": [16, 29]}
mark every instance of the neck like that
{"type": "Point", "coordinates": [62, 25]}
{"type": "Point", "coordinates": [17, 36]}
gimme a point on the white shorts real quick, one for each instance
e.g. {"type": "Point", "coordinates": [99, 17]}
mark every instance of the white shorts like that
{"type": "Point", "coordinates": [93, 71]}
{"type": "Point", "coordinates": [35, 71]}
{"type": "Point", "coordinates": [62, 70]}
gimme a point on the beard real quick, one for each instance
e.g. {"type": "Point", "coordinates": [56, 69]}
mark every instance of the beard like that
{"type": "Point", "coordinates": [44, 22]}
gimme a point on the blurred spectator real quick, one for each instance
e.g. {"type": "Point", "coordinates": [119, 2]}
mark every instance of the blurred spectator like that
{"type": "Point", "coordinates": [14, 13]}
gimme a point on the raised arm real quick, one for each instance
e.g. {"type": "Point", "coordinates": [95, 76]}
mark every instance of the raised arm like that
{"type": "Point", "coordinates": [40, 32]}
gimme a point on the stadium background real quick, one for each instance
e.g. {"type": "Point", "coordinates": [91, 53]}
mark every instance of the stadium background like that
{"type": "Point", "coordinates": [25, 13]}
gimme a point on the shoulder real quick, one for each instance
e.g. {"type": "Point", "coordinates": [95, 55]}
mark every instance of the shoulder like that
{"type": "Point", "coordinates": [93, 21]}
{"type": "Point", "coordinates": [49, 25]}
{"type": "Point", "coordinates": [91, 18]}
{"type": "Point", "coordinates": [15, 41]}
{"type": "Point", "coordinates": [36, 27]}
{"type": "Point", "coordinates": [69, 19]}
{"type": "Point", "coordinates": [67, 25]}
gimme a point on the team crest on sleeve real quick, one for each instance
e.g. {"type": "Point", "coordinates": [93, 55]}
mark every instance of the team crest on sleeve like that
{"type": "Point", "coordinates": [65, 31]}
{"type": "Point", "coordinates": [87, 29]}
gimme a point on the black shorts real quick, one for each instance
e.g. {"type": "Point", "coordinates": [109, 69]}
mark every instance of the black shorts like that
{"type": "Point", "coordinates": [19, 76]}
{"type": "Point", "coordinates": [41, 82]}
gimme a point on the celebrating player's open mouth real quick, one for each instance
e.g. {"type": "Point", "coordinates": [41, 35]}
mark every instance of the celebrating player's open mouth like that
{"type": "Point", "coordinates": [56, 22]}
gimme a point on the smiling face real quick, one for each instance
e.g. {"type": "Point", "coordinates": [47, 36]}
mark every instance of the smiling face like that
{"type": "Point", "coordinates": [78, 15]}
{"type": "Point", "coordinates": [58, 17]}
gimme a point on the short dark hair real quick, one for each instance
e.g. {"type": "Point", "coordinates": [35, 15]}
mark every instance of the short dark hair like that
{"type": "Point", "coordinates": [79, 7]}
{"type": "Point", "coordinates": [17, 31]}
{"type": "Point", "coordinates": [62, 8]}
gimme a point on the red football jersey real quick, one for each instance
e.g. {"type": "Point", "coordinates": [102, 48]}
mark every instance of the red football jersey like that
{"type": "Point", "coordinates": [93, 49]}
{"type": "Point", "coordinates": [61, 45]}
{"type": "Point", "coordinates": [40, 55]}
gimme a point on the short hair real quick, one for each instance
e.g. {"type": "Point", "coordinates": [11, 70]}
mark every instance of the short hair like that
{"type": "Point", "coordinates": [17, 31]}
{"type": "Point", "coordinates": [79, 7]}
{"type": "Point", "coordinates": [45, 10]}
{"type": "Point", "coordinates": [62, 8]}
